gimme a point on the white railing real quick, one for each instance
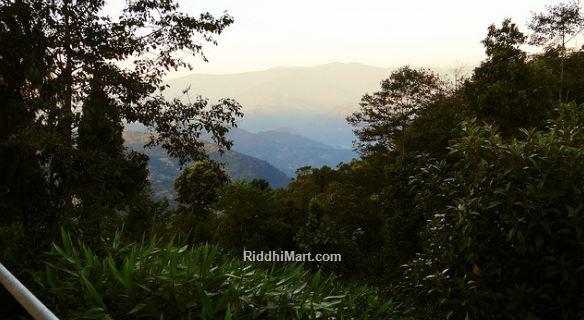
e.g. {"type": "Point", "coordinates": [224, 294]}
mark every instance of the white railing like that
{"type": "Point", "coordinates": [28, 301]}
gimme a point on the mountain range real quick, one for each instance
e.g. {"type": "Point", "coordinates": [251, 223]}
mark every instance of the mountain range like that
{"type": "Point", "coordinates": [287, 150]}
{"type": "Point", "coordinates": [293, 117]}
{"type": "Point", "coordinates": [164, 169]}
{"type": "Point", "coordinates": [313, 101]}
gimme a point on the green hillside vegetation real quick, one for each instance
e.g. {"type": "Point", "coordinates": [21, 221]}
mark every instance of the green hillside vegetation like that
{"type": "Point", "coordinates": [288, 151]}
{"type": "Point", "coordinates": [467, 201]}
{"type": "Point", "coordinates": [164, 169]}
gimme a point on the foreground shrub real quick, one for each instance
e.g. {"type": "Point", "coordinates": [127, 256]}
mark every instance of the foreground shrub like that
{"type": "Point", "coordinates": [505, 236]}
{"type": "Point", "coordinates": [146, 280]}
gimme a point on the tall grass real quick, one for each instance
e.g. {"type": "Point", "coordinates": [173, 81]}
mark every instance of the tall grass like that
{"type": "Point", "coordinates": [148, 280]}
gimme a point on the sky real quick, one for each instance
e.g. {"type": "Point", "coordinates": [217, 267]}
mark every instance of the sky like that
{"type": "Point", "coordinates": [384, 33]}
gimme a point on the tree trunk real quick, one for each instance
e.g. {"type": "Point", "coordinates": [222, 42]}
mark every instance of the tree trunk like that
{"type": "Point", "coordinates": [67, 112]}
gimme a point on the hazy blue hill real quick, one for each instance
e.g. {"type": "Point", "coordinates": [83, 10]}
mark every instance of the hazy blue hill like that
{"type": "Point", "coordinates": [287, 150]}
{"type": "Point", "coordinates": [311, 100]}
{"type": "Point", "coordinates": [319, 88]}
{"type": "Point", "coordinates": [163, 169]}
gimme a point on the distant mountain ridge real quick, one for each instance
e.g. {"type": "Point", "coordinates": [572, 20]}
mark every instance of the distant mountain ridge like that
{"type": "Point", "coordinates": [164, 169]}
{"type": "Point", "coordinates": [313, 101]}
{"type": "Point", "coordinates": [326, 87]}
{"type": "Point", "coordinates": [287, 151]}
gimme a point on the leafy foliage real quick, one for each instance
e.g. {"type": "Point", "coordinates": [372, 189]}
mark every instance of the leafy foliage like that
{"type": "Point", "coordinates": [381, 122]}
{"type": "Point", "coordinates": [147, 280]}
{"type": "Point", "coordinates": [197, 188]}
{"type": "Point", "coordinates": [506, 242]}
{"type": "Point", "coordinates": [250, 218]}
{"type": "Point", "coordinates": [71, 75]}
{"type": "Point", "coordinates": [199, 184]}
{"type": "Point", "coordinates": [558, 25]}
{"type": "Point", "coordinates": [506, 89]}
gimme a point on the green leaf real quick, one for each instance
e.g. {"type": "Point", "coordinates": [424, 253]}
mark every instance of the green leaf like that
{"type": "Point", "coordinates": [137, 308]}
{"type": "Point", "coordinates": [92, 292]}
{"type": "Point", "coordinates": [228, 312]}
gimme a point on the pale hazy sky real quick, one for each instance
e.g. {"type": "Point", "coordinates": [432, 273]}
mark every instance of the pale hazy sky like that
{"type": "Point", "coordinates": [385, 33]}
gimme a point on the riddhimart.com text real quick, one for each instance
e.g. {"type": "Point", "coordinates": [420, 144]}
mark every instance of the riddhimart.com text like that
{"type": "Point", "coordinates": [289, 256]}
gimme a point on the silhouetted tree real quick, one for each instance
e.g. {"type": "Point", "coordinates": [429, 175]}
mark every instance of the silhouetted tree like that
{"type": "Point", "coordinates": [251, 218]}
{"type": "Point", "coordinates": [67, 93]}
{"type": "Point", "coordinates": [383, 118]}
{"type": "Point", "coordinates": [197, 188]}
{"type": "Point", "coordinates": [555, 28]}
{"type": "Point", "coordinates": [504, 89]}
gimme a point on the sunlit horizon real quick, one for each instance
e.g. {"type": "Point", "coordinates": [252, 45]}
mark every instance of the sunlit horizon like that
{"type": "Point", "coordinates": [271, 34]}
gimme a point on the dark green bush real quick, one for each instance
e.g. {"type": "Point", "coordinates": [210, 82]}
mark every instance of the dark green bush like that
{"type": "Point", "coordinates": [249, 217]}
{"type": "Point", "coordinates": [505, 232]}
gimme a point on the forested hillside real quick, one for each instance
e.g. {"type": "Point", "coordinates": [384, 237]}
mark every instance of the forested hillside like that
{"type": "Point", "coordinates": [164, 169]}
{"type": "Point", "coordinates": [466, 201]}
{"type": "Point", "coordinates": [288, 150]}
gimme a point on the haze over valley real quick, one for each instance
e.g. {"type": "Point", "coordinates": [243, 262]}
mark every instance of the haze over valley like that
{"type": "Point", "coordinates": [293, 117]}
{"type": "Point", "coordinates": [311, 100]}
